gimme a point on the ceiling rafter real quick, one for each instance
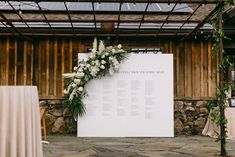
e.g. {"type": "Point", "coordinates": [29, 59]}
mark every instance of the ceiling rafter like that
{"type": "Point", "coordinates": [69, 16]}
{"type": "Point", "coordinates": [145, 11]}
{"type": "Point", "coordinates": [44, 15]}
{"type": "Point", "coordinates": [13, 27]}
{"type": "Point", "coordinates": [136, 1]}
{"type": "Point", "coordinates": [211, 14]}
{"type": "Point", "coordinates": [94, 17]}
{"type": "Point", "coordinates": [135, 29]}
{"type": "Point", "coordinates": [21, 18]}
{"type": "Point", "coordinates": [119, 17]}
{"type": "Point", "coordinates": [166, 20]}
{"type": "Point", "coordinates": [98, 12]}
{"type": "Point", "coordinates": [187, 21]}
{"type": "Point", "coordinates": [100, 20]}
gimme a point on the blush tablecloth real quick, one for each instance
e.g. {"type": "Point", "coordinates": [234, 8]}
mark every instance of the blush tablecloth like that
{"type": "Point", "coordinates": [20, 129]}
{"type": "Point", "coordinates": [211, 128]}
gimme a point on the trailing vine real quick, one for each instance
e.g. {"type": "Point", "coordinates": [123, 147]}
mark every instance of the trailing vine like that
{"type": "Point", "coordinates": [218, 105]}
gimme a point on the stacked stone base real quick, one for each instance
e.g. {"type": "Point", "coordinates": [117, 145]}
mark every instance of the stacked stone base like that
{"type": "Point", "coordinates": [189, 118]}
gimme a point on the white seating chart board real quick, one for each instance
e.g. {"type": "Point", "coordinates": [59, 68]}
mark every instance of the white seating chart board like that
{"type": "Point", "coordinates": [137, 101]}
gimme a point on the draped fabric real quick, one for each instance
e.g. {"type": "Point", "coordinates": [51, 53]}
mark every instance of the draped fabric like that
{"type": "Point", "coordinates": [211, 129]}
{"type": "Point", "coordinates": [20, 129]}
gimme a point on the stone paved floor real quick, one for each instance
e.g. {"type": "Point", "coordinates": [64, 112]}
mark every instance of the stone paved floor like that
{"type": "Point", "coordinates": [180, 146]}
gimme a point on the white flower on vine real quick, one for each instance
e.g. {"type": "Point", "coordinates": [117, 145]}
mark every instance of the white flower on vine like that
{"type": "Point", "coordinates": [113, 50]}
{"type": "Point", "coordinates": [97, 62]}
{"type": "Point", "coordinates": [103, 62]}
{"type": "Point", "coordinates": [119, 46]}
{"type": "Point", "coordinates": [106, 54]}
{"type": "Point", "coordinates": [66, 91]}
{"type": "Point", "coordinates": [74, 85]}
{"type": "Point", "coordinates": [103, 56]}
{"type": "Point", "coordinates": [80, 74]}
{"type": "Point", "coordinates": [75, 68]}
{"type": "Point", "coordinates": [102, 67]}
{"type": "Point", "coordinates": [80, 89]}
{"type": "Point", "coordinates": [111, 71]}
{"type": "Point", "coordinates": [85, 59]}
{"type": "Point", "coordinates": [77, 81]}
{"type": "Point", "coordinates": [88, 65]}
{"type": "Point", "coordinates": [72, 94]}
{"type": "Point", "coordinates": [93, 50]}
{"type": "Point", "coordinates": [80, 69]}
{"type": "Point", "coordinates": [111, 58]}
{"type": "Point", "coordinates": [101, 46]}
{"type": "Point", "coordinates": [95, 44]}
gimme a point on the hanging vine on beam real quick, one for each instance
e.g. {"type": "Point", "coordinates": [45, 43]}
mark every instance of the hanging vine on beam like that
{"type": "Point", "coordinates": [217, 107]}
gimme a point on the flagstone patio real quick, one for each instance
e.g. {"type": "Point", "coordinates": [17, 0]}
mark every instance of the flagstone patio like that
{"type": "Point", "coordinates": [180, 146]}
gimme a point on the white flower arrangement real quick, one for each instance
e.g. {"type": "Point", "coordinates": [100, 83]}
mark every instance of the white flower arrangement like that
{"type": "Point", "coordinates": [105, 60]}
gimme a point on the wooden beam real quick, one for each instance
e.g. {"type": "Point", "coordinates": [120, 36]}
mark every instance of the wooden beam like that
{"type": "Point", "coordinates": [15, 61]}
{"type": "Point", "coordinates": [136, 1]}
{"type": "Point", "coordinates": [145, 12]}
{"type": "Point", "coordinates": [100, 20]}
{"type": "Point", "coordinates": [90, 12]}
{"type": "Point", "coordinates": [166, 20]}
{"type": "Point", "coordinates": [211, 14]}
{"type": "Point", "coordinates": [7, 60]}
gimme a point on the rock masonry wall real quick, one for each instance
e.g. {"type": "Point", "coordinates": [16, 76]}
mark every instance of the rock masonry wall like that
{"type": "Point", "coordinates": [189, 118]}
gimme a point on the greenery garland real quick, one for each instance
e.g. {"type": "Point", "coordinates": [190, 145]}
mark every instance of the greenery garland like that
{"type": "Point", "coordinates": [218, 105]}
{"type": "Point", "coordinates": [102, 61]}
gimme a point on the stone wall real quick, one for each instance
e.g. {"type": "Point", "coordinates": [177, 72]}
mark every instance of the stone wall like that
{"type": "Point", "coordinates": [190, 118]}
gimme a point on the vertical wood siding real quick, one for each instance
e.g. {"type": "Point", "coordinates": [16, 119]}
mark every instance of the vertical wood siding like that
{"type": "Point", "coordinates": [44, 62]}
{"type": "Point", "coordinates": [16, 62]}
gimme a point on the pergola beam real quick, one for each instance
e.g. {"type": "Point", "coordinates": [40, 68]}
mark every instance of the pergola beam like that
{"type": "Point", "coordinates": [99, 20]}
{"type": "Point", "coordinates": [13, 27]}
{"type": "Point", "coordinates": [97, 12]}
{"type": "Point", "coordinates": [166, 20]}
{"type": "Point", "coordinates": [187, 21]}
{"type": "Point", "coordinates": [145, 11]}
{"type": "Point", "coordinates": [21, 18]}
{"type": "Point", "coordinates": [42, 12]}
{"type": "Point", "coordinates": [69, 16]}
{"type": "Point", "coordinates": [211, 14]}
{"type": "Point", "coordinates": [119, 17]}
{"type": "Point", "coordinates": [136, 1]}
{"type": "Point", "coordinates": [94, 16]}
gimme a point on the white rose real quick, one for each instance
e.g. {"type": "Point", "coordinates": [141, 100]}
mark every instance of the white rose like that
{"type": "Point", "coordinates": [103, 62]}
{"type": "Point", "coordinates": [102, 67]}
{"type": "Point", "coordinates": [80, 89]}
{"type": "Point", "coordinates": [66, 92]}
{"type": "Point", "coordinates": [85, 59]}
{"type": "Point", "coordinates": [80, 74]}
{"type": "Point", "coordinates": [88, 65]}
{"type": "Point", "coordinates": [75, 68]}
{"type": "Point", "coordinates": [106, 54]}
{"type": "Point", "coordinates": [74, 85]}
{"type": "Point", "coordinates": [111, 58]}
{"type": "Point", "coordinates": [93, 50]}
{"type": "Point", "coordinates": [103, 56]}
{"type": "Point", "coordinates": [111, 71]}
{"type": "Point", "coordinates": [113, 50]}
{"type": "Point", "coordinates": [97, 62]}
{"type": "Point", "coordinates": [80, 69]}
{"type": "Point", "coordinates": [119, 46]}
{"type": "Point", "coordinates": [77, 81]}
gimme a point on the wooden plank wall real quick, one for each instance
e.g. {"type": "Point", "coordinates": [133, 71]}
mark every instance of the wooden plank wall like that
{"type": "Point", "coordinates": [53, 57]}
{"type": "Point", "coordinates": [16, 61]}
{"type": "Point", "coordinates": [195, 75]}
